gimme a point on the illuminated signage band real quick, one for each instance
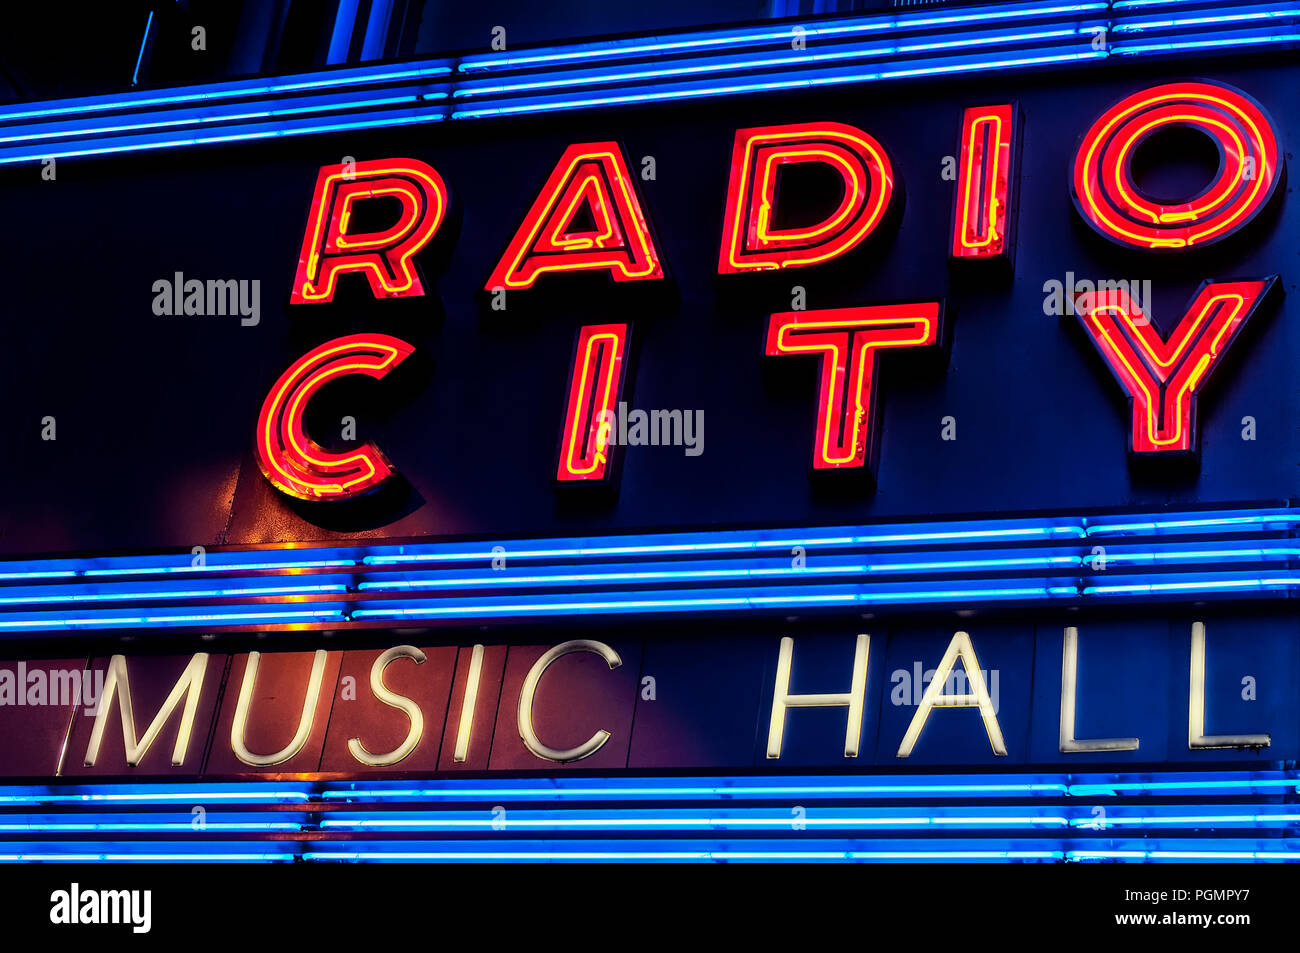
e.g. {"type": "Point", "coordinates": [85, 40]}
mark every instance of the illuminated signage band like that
{"type": "Point", "coordinates": [590, 216]}
{"type": "Point", "coordinates": [1191, 689]}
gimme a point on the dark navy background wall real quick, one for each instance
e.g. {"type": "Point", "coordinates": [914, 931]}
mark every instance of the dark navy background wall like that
{"type": "Point", "coordinates": [156, 415]}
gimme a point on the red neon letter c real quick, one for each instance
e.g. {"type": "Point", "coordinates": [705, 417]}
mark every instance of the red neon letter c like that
{"type": "Point", "coordinates": [290, 459]}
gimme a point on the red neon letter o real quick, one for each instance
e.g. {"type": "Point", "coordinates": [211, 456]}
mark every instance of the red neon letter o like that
{"type": "Point", "coordinates": [1249, 169]}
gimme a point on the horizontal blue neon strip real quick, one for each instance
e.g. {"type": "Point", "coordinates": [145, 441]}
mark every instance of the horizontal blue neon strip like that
{"type": "Point", "coordinates": [232, 89]}
{"type": "Point", "coordinates": [668, 854]}
{"type": "Point", "coordinates": [677, 855]}
{"type": "Point", "coordinates": [145, 595]}
{"type": "Point", "coordinates": [1175, 524]}
{"type": "Point", "coordinates": [1067, 560]}
{"type": "Point", "coordinates": [1276, 583]}
{"type": "Point", "coordinates": [812, 31]}
{"type": "Point", "coordinates": [240, 133]}
{"type": "Point", "coordinates": [842, 821]}
{"type": "Point", "coordinates": [674, 67]}
{"type": "Point", "coordinates": [1134, 49]}
{"type": "Point", "coordinates": [812, 818]}
{"type": "Point", "coordinates": [685, 544]}
{"type": "Point", "coordinates": [665, 854]}
{"type": "Point", "coordinates": [1048, 817]}
{"type": "Point", "coordinates": [1121, 5]}
{"type": "Point", "coordinates": [1237, 18]}
{"type": "Point", "coordinates": [1244, 819]}
{"type": "Point", "coordinates": [205, 115]}
{"type": "Point", "coordinates": [1095, 789]}
{"type": "Point", "coordinates": [128, 827]}
{"type": "Point", "coordinates": [150, 794]}
{"type": "Point", "coordinates": [90, 620]}
{"type": "Point", "coordinates": [1116, 788]}
{"type": "Point", "coordinates": [989, 849]}
{"type": "Point", "coordinates": [722, 542]}
{"type": "Point", "coordinates": [555, 576]}
{"type": "Point", "coordinates": [1182, 856]}
{"type": "Point", "coordinates": [1201, 21]}
{"type": "Point", "coordinates": [254, 565]}
{"type": "Point", "coordinates": [791, 597]}
{"type": "Point", "coordinates": [720, 64]}
{"type": "Point", "coordinates": [799, 80]}
{"type": "Point", "coordinates": [669, 818]}
{"type": "Point", "coordinates": [153, 856]}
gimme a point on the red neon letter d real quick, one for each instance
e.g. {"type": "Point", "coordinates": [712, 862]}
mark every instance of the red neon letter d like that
{"type": "Point", "coordinates": [750, 242]}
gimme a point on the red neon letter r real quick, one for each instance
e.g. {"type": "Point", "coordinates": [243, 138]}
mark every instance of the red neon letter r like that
{"type": "Point", "coordinates": [329, 248]}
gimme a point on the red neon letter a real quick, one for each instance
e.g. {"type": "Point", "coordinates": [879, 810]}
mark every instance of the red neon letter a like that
{"type": "Point", "coordinates": [591, 176]}
{"type": "Point", "coordinates": [329, 249]}
{"type": "Point", "coordinates": [750, 242]}
{"type": "Point", "coordinates": [848, 341]}
{"type": "Point", "coordinates": [1163, 377]}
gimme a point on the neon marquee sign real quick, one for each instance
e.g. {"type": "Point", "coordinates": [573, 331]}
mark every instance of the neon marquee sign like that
{"type": "Point", "coordinates": [932, 696]}
{"type": "Point", "coordinates": [589, 216]}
